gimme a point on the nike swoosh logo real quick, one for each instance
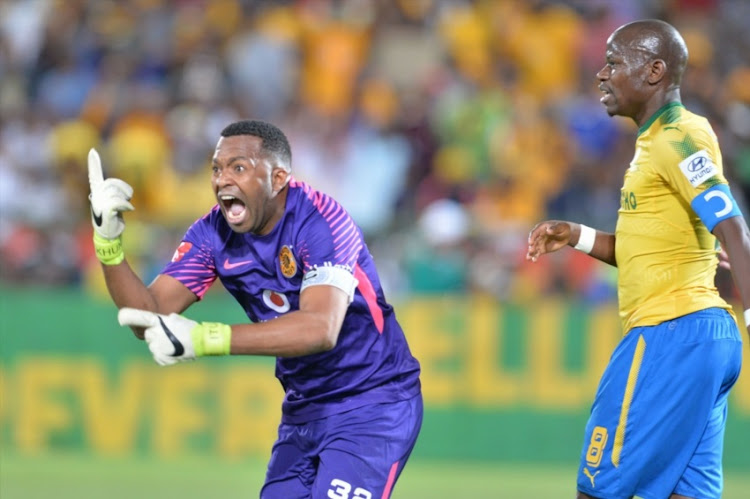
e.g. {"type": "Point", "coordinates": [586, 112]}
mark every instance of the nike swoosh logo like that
{"type": "Point", "coordinates": [178, 348]}
{"type": "Point", "coordinates": [230, 266]}
{"type": "Point", "coordinates": [97, 218]}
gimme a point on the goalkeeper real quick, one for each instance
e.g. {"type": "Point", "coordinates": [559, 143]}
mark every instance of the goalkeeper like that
{"type": "Point", "coordinates": [298, 265]}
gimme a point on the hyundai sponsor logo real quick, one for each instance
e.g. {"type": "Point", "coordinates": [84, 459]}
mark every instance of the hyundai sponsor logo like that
{"type": "Point", "coordinates": [698, 168]}
{"type": "Point", "coordinates": [697, 163]}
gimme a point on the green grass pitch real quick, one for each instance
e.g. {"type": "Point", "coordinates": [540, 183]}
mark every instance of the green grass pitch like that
{"type": "Point", "coordinates": [83, 477]}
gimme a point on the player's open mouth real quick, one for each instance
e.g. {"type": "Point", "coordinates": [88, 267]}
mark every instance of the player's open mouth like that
{"type": "Point", "coordinates": [234, 209]}
{"type": "Point", "coordinates": [606, 95]}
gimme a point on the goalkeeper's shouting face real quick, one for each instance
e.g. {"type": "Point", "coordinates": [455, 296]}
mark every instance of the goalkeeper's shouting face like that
{"type": "Point", "coordinates": [250, 183]}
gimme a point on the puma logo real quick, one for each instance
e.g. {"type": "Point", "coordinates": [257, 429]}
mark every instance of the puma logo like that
{"type": "Point", "coordinates": [591, 477]}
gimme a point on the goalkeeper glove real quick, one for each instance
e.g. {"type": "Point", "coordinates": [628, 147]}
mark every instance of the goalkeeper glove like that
{"type": "Point", "coordinates": [173, 338]}
{"type": "Point", "coordinates": [109, 198]}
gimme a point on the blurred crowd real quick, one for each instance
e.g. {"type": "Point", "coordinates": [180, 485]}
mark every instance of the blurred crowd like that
{"type": "Point", "coordinates": [447, 128]}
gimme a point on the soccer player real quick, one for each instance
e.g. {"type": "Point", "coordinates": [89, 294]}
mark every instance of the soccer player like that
{"type": "Point", "coordinates": [298, 265]}
{"type": "Point", "coordinates": [656, 426]}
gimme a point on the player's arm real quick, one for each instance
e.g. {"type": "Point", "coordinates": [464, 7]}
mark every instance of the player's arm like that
{"type": "Point", "coordinates": [720, 213]}
{"type": "Point", "coordinates": [109, 199]}
{"type": "Point", "coordinates": [734, 235]}
{"type": "Point", "coordinates": [165, 295]}
{"type": "Point", "coordinates": [312, 329]}
{"type": "Point", "coordinates": [552, 235]}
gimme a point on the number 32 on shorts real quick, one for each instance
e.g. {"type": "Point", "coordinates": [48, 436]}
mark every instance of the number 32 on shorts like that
{"type": "Point", "coordinates": [596, 446]}
{"type": "Point", "coordinates": [341, 489]}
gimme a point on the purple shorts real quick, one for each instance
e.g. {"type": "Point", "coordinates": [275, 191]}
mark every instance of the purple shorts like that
{"type": "Point", "coordinates": [358, 454]}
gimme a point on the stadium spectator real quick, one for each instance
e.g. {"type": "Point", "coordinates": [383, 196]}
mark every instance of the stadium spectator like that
{"type": "Point", "coordinates": [448, 90]}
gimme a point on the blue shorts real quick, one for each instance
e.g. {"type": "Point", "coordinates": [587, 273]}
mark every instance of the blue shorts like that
{"type": "Point", "coordinates": [657, 422]}
{"type": "Point", "coordinates": [358, 454]}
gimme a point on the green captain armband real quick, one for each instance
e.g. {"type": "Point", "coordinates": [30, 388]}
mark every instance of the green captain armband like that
{"type": "Point", "coordinates": [108, 251]}
{"type": "Point", "coordinates": [211, 338]}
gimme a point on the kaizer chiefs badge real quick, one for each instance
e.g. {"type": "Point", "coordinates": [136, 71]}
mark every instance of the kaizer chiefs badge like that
{"type": "Point", "coordinates": [287, 262]}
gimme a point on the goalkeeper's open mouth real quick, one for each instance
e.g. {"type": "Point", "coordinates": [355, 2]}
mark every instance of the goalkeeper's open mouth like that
{"type": "Point", "coordinates": [234, 209]}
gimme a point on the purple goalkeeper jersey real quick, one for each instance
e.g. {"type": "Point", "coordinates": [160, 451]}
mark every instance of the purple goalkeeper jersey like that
{"type": "Point", "coordinates": [371, 362]}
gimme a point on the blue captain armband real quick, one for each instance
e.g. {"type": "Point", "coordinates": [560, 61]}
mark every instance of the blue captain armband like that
{"type": "Point", "coordinates": [714, 205]}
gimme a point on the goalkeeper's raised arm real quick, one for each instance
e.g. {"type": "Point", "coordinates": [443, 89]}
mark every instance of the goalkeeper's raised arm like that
{"type": "Point", "coordinates": [109, 199]}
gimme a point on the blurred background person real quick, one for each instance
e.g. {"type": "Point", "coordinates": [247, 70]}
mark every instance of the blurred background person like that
{"type": "Point", "coordinates": [420, 101]}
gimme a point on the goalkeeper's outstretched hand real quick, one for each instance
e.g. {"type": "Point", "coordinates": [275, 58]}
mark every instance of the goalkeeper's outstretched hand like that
{"type": "Point", "coordinates": [173, 338]}
{"type": "Point", "coordinates": [109, 198]}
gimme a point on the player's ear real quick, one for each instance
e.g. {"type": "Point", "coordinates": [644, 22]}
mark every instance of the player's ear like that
{"type": "Point", "coordinates": [279, 178]}
{"type": "Point", "coordinates": [657, 71]}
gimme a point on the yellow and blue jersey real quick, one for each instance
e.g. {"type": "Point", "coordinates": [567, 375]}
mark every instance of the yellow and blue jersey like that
{"type": "Point", "coordinates": [657, 423]}
{"type": "Point", "coordinates": [666, 254]}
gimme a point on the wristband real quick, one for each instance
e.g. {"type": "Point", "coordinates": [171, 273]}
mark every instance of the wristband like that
{"type": "Point", "coordinates": [747, 317]}
{"type": "Point", "coordinates": [586, 239]}
{"type": "Point", "coordinates": [211, 338]}
{"type": "Point", "coordinates": [108, 251]}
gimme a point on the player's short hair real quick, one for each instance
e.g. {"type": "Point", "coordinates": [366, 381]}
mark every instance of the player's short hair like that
{"type": "Point", "coordinates": [663, 41]}
{"type": "Point", "coordinates": [273, 139]}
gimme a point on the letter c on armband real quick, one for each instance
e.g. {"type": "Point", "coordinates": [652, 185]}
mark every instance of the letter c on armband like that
{"type": "Point", "coordinates": [714, 205]}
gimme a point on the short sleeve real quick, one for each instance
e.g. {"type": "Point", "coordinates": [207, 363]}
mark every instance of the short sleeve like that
{"type": "Point", "coordinates": [689, 161]}
{"type": "Point", "coordinates": [329, 237]}
{"type": "Point", "coordinates": [193, 262]}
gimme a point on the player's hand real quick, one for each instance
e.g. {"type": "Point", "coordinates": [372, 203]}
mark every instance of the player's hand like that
{"type": "Point", "coordinates": [109, 198]}
{"type": "Point", "coordinates": [547, 237]}
{"type": "Point", "coordinates": [168, 336]}
{"type": "Point", "coordinates": [173, 338]}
